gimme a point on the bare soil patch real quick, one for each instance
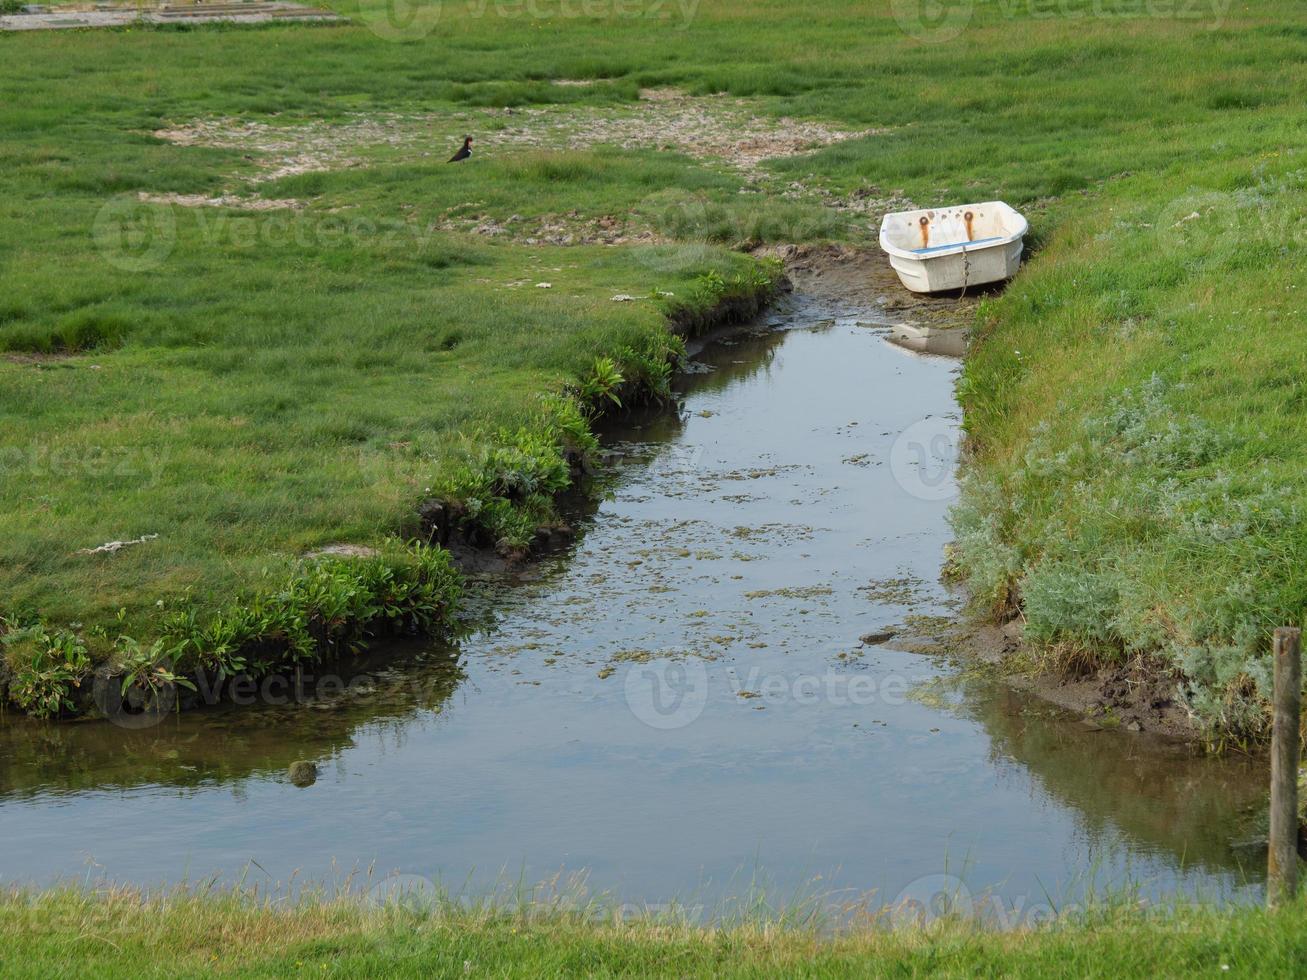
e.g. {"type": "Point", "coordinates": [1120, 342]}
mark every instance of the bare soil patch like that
{"type": "Point", "coordinates": [713, 128]}
{"type": "Point", "coordinates": [731, 133]}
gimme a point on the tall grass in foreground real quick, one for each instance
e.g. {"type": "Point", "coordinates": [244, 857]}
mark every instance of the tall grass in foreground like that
{"type": "Point", "coordinates": [123, 933]}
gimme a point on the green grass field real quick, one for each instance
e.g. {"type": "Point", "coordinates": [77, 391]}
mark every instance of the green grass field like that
{"type": "Point", "coordinates": [70, 933]}
{"type": "Point", "coordinates": [341, 337]}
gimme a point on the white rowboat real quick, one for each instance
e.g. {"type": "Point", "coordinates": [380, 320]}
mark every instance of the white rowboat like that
{"type": "Point", "coordinates": [937, 249]}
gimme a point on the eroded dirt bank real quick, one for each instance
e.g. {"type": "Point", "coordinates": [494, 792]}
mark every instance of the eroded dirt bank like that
{"type": "Point", "coordinates": [1127, 697]}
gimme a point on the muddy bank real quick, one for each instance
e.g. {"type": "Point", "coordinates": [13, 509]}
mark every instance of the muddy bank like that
{"type": "Point", "coordinates": [1128, 697]}
{"type": "Point", "coordinates": [862, 279]}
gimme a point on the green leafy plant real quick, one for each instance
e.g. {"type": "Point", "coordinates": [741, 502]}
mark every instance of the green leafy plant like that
{"type": "Point", "coordinates": [46, 666]}
{"type": "Point", "coordinates": [602, 383]}
{"type": "Point", "coordinates": [322, 606]}
{"type": "Point", "coordinates": [151, 670]}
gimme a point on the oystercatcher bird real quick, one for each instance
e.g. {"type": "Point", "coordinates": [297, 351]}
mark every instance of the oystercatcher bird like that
{"type": "Point", "coordinates": [464, 152]}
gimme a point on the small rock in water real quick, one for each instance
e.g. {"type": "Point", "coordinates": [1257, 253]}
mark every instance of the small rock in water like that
{"type": "Point", "coordinates": [302, 773]}
{"type": "Point", "coordinates": [882, 636]}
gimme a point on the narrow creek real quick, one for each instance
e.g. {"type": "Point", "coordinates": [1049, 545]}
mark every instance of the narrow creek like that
{"type": "Point", "coordinates": [679, 706]}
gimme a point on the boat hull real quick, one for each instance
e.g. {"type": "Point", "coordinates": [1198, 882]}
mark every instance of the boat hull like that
{"type": "Point", "coordinates": [949, 249]}
{"type": "Point", "coordinates": [969, 267]}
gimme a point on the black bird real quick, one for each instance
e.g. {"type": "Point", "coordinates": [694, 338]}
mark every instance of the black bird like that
{"type": "Point", "coordinates": [464, 152]}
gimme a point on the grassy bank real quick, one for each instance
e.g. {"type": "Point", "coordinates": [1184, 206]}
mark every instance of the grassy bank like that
{"type": "Point", "coordinates": [120, 935]}
{"type": "Point", "coordinates": [231, 389]}
{"type": "Point", "coordinates": [342, 450]}
{"type": "Point", "coordinates": [249, 312]}
{"type": "Point", "coordinates": [1135, 407]}
{"type": "Point", "coordinates": [299, 421]}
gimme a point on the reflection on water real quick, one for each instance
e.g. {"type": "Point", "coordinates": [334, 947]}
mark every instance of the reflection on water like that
{"type": "Point", "coordinates": [679, 700]}
{"type": "Point", "coordinates": [230, 744]}
{"type": "Point", "coordinates": [1159, 793]}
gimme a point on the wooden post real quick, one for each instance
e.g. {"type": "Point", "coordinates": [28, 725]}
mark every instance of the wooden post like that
{"type": "Point", "coordinates": [1282, 859]}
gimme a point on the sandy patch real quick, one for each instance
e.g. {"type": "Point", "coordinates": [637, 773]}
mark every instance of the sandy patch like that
{"type": "Point", "coordinates": [284, 151]}
{"type": "Point", "coordinates": [557, 229]}
{"type": "Point", "coordinates": [113, 547]}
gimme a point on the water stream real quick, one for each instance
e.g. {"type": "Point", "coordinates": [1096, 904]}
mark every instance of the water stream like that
{"type": "Point", "coordinates": [679, 705]}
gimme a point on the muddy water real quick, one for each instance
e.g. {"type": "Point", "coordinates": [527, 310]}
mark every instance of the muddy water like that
{"type": "Point", "coordinates": [679, 706]}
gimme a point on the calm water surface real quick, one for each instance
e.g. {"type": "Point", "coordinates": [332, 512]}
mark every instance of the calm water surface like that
{"type": "Point", "coordinates": [679, 705]}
